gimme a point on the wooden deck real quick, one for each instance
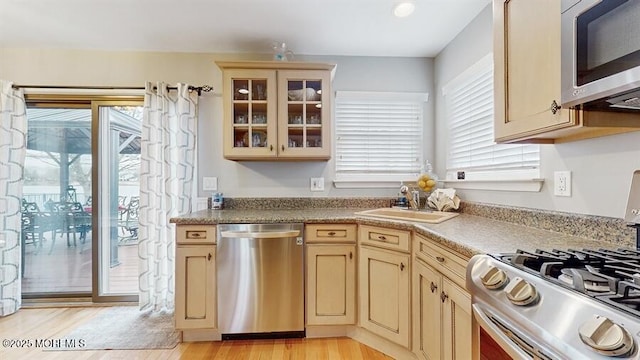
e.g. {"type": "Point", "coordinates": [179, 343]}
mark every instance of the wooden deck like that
{"type": "Point", "coordinates": [67, 269]}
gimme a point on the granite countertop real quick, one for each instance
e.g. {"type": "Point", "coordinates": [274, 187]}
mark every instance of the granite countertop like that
{"type": "Point", "coordinates": [466, 234]}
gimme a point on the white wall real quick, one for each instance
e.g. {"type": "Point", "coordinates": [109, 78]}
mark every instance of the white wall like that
{"type": "Point", "coordinates": [235, 179]}
{"type": "Point", "coordinates": [601, 168]}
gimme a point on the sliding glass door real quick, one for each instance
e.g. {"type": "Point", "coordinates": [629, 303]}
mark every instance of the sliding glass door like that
{"type": "Point", "coordinates": [80, 203]}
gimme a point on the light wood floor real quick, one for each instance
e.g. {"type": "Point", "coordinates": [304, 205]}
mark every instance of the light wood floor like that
{"type": "Point", "coordinates": [54, 323]}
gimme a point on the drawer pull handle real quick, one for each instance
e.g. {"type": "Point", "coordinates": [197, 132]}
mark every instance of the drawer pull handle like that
{"type": "Point", "coordinates": [443, 296]}
{"type": "Point", "coordinates": [350, 255]}
{"type": "Point", "coordinates": [382, 237]}
{"type": "Point", "coordinates": [209, 257]}
{"type": "Point", "coordinates": [270, 147]}
{"type": "Point", "coordinates": [401, 266]}
{"type": "Point", "coordinates": [331, 233]}
{"type": "Point", "coordinates": [194, 234]}
{"type": "Point", "coordinates": [283, 147]}
{"type": "Point", "coordinates": [434, 287]}
{"type": "Point", "coordinates": [440, 259]}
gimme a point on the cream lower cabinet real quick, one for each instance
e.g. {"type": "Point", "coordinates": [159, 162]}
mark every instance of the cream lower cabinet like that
{"type": "Point", "coordinates": [442, 317]}
{"type": "Point", "coordinates": [384, 293]}
{"type": "Point", "coordinates": [331, 274]}
{"type": "Point", "coordinates": [196, 304]}
{"type": "Point", "coordinates": [331, 278]}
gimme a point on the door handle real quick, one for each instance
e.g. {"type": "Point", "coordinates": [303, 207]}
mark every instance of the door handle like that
{"type": "Point", "coordinates": [401, 266]}
{"type": "Point", "coordinates": [555, 107]}
{"type": "Point", "coordinates": [209, 257]}
{"type": "Point", "coordinates": [350, 255]}
{"type": "Point", "coordinates": [434, 287]}
{"type": "Point", "coordinates": [270, 147]}
{"type": "Point", "coordinates": [282, 147]}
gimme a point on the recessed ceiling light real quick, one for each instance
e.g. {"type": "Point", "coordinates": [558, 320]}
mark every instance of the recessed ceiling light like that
{"type": "Point", "coordinates": [404, 8]}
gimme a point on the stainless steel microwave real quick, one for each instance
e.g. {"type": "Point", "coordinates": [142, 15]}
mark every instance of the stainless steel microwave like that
{"type": "Point", "coordinates": [600, 55]}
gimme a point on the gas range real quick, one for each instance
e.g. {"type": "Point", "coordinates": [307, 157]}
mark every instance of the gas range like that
{"type": "Point", "coordinates": [560, 304]}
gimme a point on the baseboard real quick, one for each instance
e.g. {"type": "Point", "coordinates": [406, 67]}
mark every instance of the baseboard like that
{"type": "Point", "coordinates": [325, 331]}
{"type": "Point", "coordinates": [201, 335]}
{"type": "Point", "coordinates": [383, 345]}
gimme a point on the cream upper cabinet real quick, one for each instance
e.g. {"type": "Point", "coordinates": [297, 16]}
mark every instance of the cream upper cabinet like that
{"type": "Point", "coordinates": [384, 293]}
{"type": "Point", "coordinates": [277, 110]}
{"type": "Point", "coordinates": [527, 79]}
{"type": "Point", "coordinates": [527, 69]}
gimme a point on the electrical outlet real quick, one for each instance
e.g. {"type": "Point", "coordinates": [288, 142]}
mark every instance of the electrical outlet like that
{"type": "Point", "coordinates": [317, 184]}
{"type": "Point", "coordinates": [562, 183]}
{"type": "Point", "coordinates": [209, 183]}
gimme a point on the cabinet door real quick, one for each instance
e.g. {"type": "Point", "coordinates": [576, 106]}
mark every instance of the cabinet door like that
{"type": "Point", "coordinates": [304, 114]}
{"type": "Point", "coordinates": [384, 294]}
{"type": "Point", "coordinates": [427, 316]}
{"type": "Point", "coordinates": [457, 327]}
{"type": "Point", "coordinates": [527, 69]}
{"type": "Point", "coordinates": [250, 114]}
{"type": "Point", "coordinates": [195, 287]}
{"type": "Point", "coordinates": [331, 278]}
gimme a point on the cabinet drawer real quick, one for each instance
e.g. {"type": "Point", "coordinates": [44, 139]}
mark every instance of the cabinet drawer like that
{"type": "Point", "coordinates": [448, 263]}
{"type": "Point", "coordinates": [385, 238]}
{"type": "Point", "coordinates": [196, 234]}
{"type": "Point", "coordinates": [330, 233]}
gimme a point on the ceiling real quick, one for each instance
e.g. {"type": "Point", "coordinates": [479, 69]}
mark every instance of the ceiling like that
{"type": "Point", "coordinates": [311, 27]}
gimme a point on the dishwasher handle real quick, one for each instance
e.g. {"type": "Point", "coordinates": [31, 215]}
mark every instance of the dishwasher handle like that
{"type": "Point", "coordinates": [260, 234]}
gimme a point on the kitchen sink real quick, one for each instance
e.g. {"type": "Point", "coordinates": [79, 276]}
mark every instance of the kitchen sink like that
{"type": "Point", "coordinates": [432, 217]}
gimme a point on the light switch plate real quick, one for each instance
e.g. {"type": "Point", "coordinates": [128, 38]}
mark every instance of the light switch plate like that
{"type": "Point", "coordinates": [317, 184]}
{"type": "Point", "coordinates": [209, 183]}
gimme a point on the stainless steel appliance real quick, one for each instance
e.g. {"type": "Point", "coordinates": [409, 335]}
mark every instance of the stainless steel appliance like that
{"type": "Point", "coordinates": [260, 269]}
{"type": "Point", "coordinates": [601, 54]}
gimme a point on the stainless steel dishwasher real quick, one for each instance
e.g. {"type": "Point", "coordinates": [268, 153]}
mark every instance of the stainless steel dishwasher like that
{"type": "Point", "coordinates": [260, 271]}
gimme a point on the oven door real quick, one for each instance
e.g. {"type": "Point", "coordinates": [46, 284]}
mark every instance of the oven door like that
{"type": "Point", "coordinates": [515, 342]}
{"type": "Point", "coordinates": [600, 49]}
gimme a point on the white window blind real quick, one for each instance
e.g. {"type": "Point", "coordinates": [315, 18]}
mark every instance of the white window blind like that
{"type": "Point", "coordinates": [378, 135]}
{"type": "Point", "coordinates": [469, 108]}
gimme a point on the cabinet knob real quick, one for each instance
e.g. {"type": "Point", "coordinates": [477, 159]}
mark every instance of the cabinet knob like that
{"type": "Point", "coordinates": [350, 255]}
{"type": "Point", "coordinates": [555, 107]}
{"type": "Point", "coordinates": [440, 259]}
{"type": "Point", "coordinates": [434, 287]}
{"type": "Point", "coordinates": [401, 266]}
{"type": "Point", "coordinates": [270, 147]}
{"type": "Point", "coordinates": [209, 256]}
{"type": "Point", "coordinates": [282, 147]}
{"type": "Point", "coordinates": [443, 296]}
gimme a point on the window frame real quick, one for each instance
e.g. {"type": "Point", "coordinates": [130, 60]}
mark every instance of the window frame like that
{"type": "Point", "coordinates": [343, 179]}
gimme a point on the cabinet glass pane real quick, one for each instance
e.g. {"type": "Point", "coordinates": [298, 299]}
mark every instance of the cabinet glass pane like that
{"type": "Point", "coordinates": [240, 89]}
{"type": "Point", "coordinates": [250, 109]}
{"type": "Point", "coordinates": [304, 113]}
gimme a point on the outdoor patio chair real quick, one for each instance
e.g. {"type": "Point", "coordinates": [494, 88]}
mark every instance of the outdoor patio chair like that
{"type": "Point", "coordinates": [71, 219]}
{"type": "Point", "coordinates": [34, 224]}
{"type": "Point", "coordinates": [129, 221]}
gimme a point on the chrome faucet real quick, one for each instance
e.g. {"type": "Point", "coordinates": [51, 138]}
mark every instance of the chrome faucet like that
{"type": "Point", "coordinates": [404, 190]}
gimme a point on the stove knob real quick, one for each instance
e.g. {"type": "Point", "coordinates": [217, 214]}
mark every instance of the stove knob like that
{"type": "Point", "coordinates": [606, 337]}
{"type": "Point", "coordinates": [520, 292]}
{"type": "Point", "coordinates": [494, 278]}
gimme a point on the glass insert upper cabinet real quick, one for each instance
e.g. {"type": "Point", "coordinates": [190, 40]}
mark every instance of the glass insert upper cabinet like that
{"type": "Point", "coordinates": [277, 110]}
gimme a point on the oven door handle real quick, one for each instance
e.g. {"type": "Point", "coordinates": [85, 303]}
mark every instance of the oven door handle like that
{"type": "Point", "coordinates": [503, 340]}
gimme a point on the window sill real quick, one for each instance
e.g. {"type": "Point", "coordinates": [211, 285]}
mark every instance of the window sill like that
{"type": "Point", "coordinates": [525, 185]}
{"type": "Point", "coordinates": [369, 184]}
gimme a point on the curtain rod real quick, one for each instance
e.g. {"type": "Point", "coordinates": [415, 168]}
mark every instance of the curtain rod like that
{"type": "Point", "coordinates": [199, 89]}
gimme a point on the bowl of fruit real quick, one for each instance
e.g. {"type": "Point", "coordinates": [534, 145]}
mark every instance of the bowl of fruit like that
{"type": "Point", "coordinates": [427, 182]}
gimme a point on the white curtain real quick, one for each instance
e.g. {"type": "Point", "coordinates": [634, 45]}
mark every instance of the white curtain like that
{"type": "Point", "coordinates": [13, 148]}
{"type": "Point", "coordinates": [168, 155]}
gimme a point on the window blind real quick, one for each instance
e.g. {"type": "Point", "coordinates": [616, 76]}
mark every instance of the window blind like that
{"type": "Point", "coordinates": [472, 147]}
{"type": "Point", "coordinates": [378, 134]}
